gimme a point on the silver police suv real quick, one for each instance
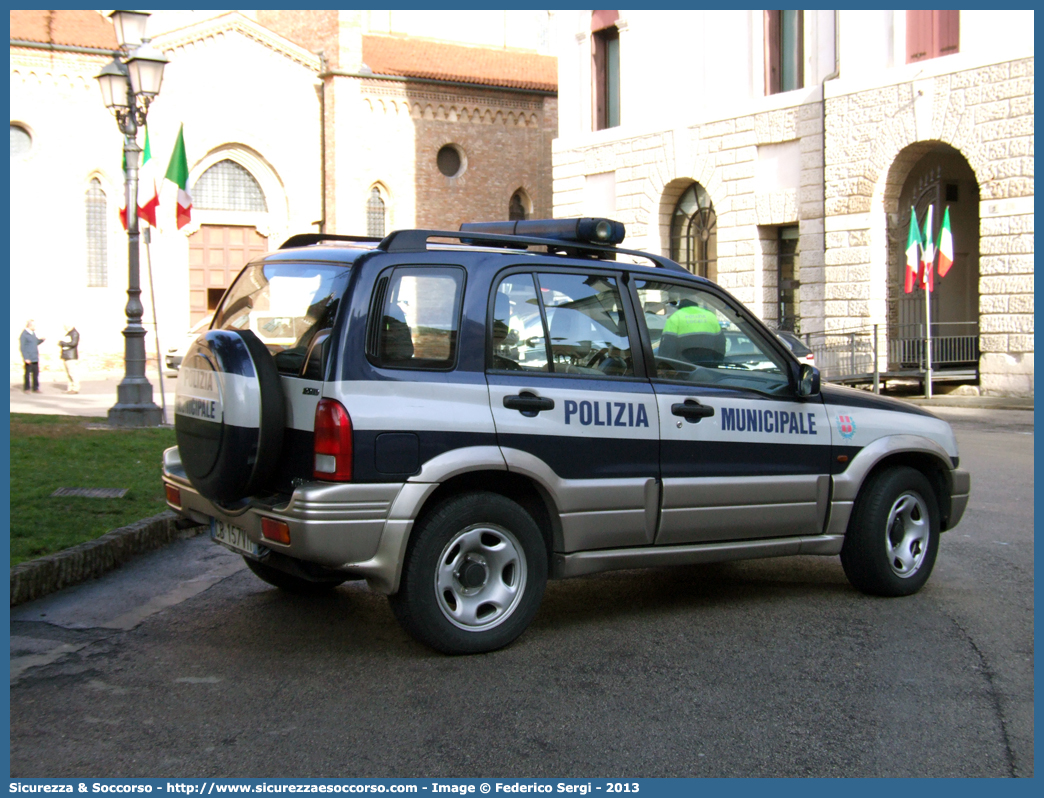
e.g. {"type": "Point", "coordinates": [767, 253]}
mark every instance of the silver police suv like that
{"type": "Point", "coordinates": [457, 416]}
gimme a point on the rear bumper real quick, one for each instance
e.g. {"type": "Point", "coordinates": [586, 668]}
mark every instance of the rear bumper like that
{"type": "Point", "coordinates": [334, 525]}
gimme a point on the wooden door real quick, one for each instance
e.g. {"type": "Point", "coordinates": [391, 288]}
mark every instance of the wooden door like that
{"type": "Point", "coordinates": [216, 254]}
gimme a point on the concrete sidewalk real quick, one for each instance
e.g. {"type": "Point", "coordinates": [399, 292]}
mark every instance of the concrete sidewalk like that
{"type": "Point", "coordinates": [96, 396]}
{"type": "Point", "coordinates": [972, 402]}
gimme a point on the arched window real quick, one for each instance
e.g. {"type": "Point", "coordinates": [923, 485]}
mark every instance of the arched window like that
{"type": "Point", "coordinates": [694, 232]}
{"type": "Point", "coordinates": [517, 208]}
{"type": "Point", "coordinates": [97, 236]}
{"type": "Point", "coordinates": [375, 213]}
{"type": "Point", "coordinates": [21, 142]}
{"type": "Point", "coordinates": [227, 186]}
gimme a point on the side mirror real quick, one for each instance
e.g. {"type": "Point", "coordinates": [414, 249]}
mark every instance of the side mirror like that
{"type": "Point", "coordinates": [808, 382]}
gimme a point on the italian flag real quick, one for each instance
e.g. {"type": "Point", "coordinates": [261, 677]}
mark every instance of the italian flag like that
{"type": "Point", "coordinates": [926, 278]}
{"type": "Point", "coordinates": [945, 245]}
{"type": "Point", "coordinates": [147, 188]}
{"type": "Point", "coordinates": [178, 174]}
{"type": "Point", "coordinates": [913, 245]}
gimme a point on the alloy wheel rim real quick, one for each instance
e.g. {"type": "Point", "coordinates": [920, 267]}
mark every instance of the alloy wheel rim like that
{"type": "Point", "coordinates": [480, 578]}
{"type": "Point", "coordinates": [907, 534]}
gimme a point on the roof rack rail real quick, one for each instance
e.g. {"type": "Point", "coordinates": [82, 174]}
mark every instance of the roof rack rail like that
{"type": "Point", "coordinates": [417, 241]}
{"type": "Point", "coordinates": [307, 239]}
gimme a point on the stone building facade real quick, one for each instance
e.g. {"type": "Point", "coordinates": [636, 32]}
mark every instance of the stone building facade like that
{"type": "Point", "coordinates": [292, 121]}
{"type": "Point", "coordinates": [824, 174]}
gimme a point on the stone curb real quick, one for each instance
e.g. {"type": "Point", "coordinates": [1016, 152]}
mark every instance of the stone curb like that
{"type": "Point", "coordinates": [36, 578]}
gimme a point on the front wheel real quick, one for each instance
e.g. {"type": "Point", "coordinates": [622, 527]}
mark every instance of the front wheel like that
{"type": "Point", "coordinates": [474, 575]}
{"type": "Point", "coordinates": [893, 537]}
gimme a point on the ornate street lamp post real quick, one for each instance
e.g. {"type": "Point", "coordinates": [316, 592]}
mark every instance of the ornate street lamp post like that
{"type": "Point", "coordinates": [129, 83]}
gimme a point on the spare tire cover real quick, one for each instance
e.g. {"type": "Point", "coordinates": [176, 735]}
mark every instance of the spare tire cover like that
{"type": "Point", "coordinates": [229, 415]}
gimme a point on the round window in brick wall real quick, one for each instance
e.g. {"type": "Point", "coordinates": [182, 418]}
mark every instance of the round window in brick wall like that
{"type": "Point", "coordinates": [451, 160]}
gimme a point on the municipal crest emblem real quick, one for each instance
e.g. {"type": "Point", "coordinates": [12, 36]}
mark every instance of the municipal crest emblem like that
{"type": "Point", "coordinates": [846, 426]}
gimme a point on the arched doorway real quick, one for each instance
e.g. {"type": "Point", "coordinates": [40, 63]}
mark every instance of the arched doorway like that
{"type": "Point", "coordinates": [228, 195]}
{"type": "Point", "coordinates": [940, 178]}
{"type": "Point", "coordinates": [694, 232]}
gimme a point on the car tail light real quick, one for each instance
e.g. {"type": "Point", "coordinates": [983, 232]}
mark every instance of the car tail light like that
{"type": "Point", "coordinates": [279, 531]}
{"type": "Point", "coordinates": [333, 442]}
{"type": "Point", "coordinates": [173, 495]}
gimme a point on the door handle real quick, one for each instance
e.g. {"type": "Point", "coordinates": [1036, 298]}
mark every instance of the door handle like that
{"type": "Point", "coordinates": [691, 410]}
{"type": "Point", "coordinates": [528, 404]}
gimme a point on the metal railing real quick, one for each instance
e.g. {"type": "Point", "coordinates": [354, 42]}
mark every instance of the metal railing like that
{"type": "Point", "coordinates": [853, 355]}
{"type": "Point", "coordinates": [953, 344]}
{"type": "Point", "coordinates": [846, 355]}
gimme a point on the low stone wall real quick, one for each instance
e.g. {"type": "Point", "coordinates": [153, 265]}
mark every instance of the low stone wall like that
{"type": "Point", "coordinates": [35, 578]}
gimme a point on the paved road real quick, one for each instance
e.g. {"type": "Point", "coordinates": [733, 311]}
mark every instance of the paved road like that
{"type": "Point", "coordinates": [184, 664]}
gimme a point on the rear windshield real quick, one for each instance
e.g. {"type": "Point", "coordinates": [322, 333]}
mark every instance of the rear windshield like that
{"type": "Point", "coordinates": [287, 305]}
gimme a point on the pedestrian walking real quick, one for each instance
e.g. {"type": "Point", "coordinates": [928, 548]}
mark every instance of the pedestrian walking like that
{"type": "Point", "coordinates": [70, 357]}
{"type": "Point", "coordinates": [29, 345]}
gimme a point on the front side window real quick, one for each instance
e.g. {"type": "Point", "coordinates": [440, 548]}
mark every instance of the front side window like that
{"type": "Point", "coordinates": [698, 337]}
{"type": "Point", "coordinates": [562, 324]}
{"type": "Point", "coordinates": [97, 236]}
{"type": "Point", "coordinates": [415, 317]}
{"type": "Point", "coordinates": [286, 305]}
{"type": "Point", "coordinates": [694, 233]}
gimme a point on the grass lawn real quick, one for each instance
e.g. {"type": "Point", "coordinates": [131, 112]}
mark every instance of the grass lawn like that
{"type": "Point", "coordinates": [50, 452]}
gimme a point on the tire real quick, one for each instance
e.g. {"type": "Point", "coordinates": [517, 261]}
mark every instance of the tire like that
{"type": "Point", "coordinates": [229, 415]}
{"type": "Point", "coordinates": [289, 582]}
{"type": "Point", "coordinates": [474, 575]}
{"type": "Point", "coordinates": [893, 537]}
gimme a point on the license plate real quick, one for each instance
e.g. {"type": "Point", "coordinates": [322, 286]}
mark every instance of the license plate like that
{"type": "Point", "coordinates": [233, 537]}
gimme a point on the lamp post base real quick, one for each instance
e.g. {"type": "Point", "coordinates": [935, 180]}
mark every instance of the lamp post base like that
{"type": "Point", "coordinates": [128, 416]}
{"type": "Point", "coordinates": [134, 406]}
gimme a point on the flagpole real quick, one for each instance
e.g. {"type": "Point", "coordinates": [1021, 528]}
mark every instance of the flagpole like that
{"type": "Point", "coordinates": [147, 233]}
{"type": "Point", "coordinates": [927, 338]}
{"type": "Point", "coordinates": [927, 280]}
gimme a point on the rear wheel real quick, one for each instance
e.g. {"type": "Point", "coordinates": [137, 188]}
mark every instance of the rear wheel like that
{"type": "Point", "coordinates": [289, 582]}
{"type": "Point", "coordinates": [474, 575]}
{"type": "Point", "coordinates": [893, 537]}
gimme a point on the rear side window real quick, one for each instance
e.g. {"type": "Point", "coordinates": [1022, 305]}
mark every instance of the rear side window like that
{"type": "Point", "coordinates": [414, 318]}
{"type": "Point", "coordinates": [287, 305]}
